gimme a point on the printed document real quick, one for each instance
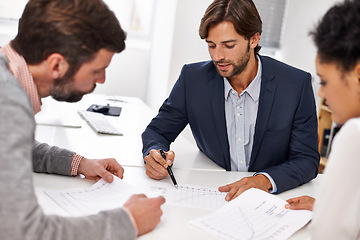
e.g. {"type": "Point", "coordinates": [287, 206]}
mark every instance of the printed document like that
{"type": "Point", "coordinates": [191, 196]}
{"type": "Point", "coordinates": [103, 196]}
{"type": "Point", "coordinates": [255, 214]}
{"type": "Point", "coordinates": [100, 196]}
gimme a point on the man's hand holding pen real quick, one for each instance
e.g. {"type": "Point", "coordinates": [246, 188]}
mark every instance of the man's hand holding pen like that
{"type": "Point", "coordinates": [156, 165]}
{"type": "Point", "coordinates": [168, 168]}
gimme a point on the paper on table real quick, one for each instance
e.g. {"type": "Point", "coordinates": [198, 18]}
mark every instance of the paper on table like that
{"type": "Point", "coordinates": [191, 196]}
{"type": "Point", "coordinates": [57, 119]}
{"type": "Point", "coordinates": [103, 196]}
{"type": "Point", "coordinates": [100, 196]}
{"type": "Point", "coordinates": [255, 214]}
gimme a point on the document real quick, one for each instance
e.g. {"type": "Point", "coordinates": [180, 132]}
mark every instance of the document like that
{"type": "Point", "coordinates": [57, 119]}
{"type": "Point", "coordinates": [100, 196]}
{"type": "Point", "coordinates": [255, 214]}
{"type": "Point", "coordinates": [191, 196]}
{"type": "Point", "coordinates": [103, 196]}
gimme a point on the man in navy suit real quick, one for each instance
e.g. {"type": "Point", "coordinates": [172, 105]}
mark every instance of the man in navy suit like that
{"type": "Point", "coordinates": [247, 112]}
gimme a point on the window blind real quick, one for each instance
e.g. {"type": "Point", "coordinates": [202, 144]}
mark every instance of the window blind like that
{"type": "Point", "coordinates": [272, 15]}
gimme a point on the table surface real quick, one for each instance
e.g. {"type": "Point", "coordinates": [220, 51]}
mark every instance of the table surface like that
{"type": "Point", "coordinates": [127, 149]}
{"type": "Point", "coordinates": [190, 166]}
{"type": "Point", "coordinates": [175, 219]}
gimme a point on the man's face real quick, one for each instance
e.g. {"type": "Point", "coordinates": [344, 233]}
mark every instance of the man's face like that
{"type": "Point", "coordinates": [229, 50]}
{"type": "Point", "coordinates": [73, 88]}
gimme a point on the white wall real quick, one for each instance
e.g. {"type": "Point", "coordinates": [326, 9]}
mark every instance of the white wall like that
{"type": "Point", "coordinates": [297, 48]}
{"type": "Point", "coordinates": [161, 50]}
{"type": "Point", "coordinates": [188, 47]}
{"type": "Point", "coordinates": [128, 71]}
{"type": "Point", "coordinates": [12, 9]}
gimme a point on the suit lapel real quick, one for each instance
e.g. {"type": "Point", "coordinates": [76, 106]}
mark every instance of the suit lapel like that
{"type": "Point", "coordinates": [216, 89]}
{"type": "Point", "coordinates": [267, 94]}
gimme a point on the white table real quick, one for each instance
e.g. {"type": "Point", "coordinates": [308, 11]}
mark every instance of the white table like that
{"type": "Point", "coordinates": [190, 167]}
{"type": "Point", "coordinates": [175, 219]}
{"type": "Point", "coordinates": [135, 116]}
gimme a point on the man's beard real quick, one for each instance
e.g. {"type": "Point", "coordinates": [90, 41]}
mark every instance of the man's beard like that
{"type": "Point", "coordinates": [63, 90]}
{"type": "Point", "coordinates": [238, 67]}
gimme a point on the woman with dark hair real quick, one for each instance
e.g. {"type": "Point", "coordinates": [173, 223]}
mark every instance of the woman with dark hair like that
{"type": "Point", "coordinates": [337, 207]}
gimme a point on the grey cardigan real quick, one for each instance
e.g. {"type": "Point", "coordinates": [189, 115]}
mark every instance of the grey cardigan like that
{"type": "Point", "coordinates": [21, 217]}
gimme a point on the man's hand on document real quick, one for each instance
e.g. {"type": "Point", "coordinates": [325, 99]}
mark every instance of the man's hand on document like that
{"type": "Point", "coordinates": [238, 187]}
{"type": "Point", "coordinates": [100, 168]}
{"type": "Point", "coordinates": [146, 212]}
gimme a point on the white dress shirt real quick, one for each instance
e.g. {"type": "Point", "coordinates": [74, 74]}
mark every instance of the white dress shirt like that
{"type": "Point", "coordinates": [337, 206]}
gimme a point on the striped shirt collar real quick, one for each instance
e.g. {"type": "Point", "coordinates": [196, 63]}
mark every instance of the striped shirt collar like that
{"type": "Point", "coordinates": [253, 89]}
{"type": "Point", "coordinates": [20, 70]}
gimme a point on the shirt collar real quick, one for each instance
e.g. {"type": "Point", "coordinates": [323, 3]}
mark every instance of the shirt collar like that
{"type": "Point", "coordinates": [253, 89]}
{"type": "Point", "coordinates": [20, 70]}
{"type": "Point", "coordinates": [227, 88]}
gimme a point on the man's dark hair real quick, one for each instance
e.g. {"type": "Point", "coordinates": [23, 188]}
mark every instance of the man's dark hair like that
{"type": "Point", "coordinates": [241, 13]}
{"type": "Point", "coordinates": [337, 35]}
{"type": "Point", "coordinates": [76, 29]}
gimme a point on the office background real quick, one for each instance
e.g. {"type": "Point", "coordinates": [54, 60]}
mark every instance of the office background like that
{"type": "Point", "coordinates": [163, 35]}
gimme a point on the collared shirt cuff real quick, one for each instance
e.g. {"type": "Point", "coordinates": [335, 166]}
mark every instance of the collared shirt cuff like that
{"type": "Point", "coordinates": [75, 164]}
{"type": "Point", "coordinates": [131, 219]}
{"type": "Point", "coordinates": [273, 184]}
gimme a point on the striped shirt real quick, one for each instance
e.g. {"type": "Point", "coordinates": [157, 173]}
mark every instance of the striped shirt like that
{"type": "Point", "coordinates": [20, 70]}
{"type": "Point", "coordinates": [240, 114]}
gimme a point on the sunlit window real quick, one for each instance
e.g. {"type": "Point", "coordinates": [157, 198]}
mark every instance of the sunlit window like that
{"type": "Point", "coordinates": [135, 16]}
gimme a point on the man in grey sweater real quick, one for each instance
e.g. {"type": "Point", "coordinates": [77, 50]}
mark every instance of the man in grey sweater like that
{"type": "Point", "coordinates": [61, 50]}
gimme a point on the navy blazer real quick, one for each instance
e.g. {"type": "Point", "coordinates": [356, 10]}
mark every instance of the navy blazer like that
{"type": "Point", "coordinates": [285, 139]}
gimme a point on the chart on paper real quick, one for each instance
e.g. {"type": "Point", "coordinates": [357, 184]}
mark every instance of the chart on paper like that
{"type": "Point", "coordinates": [238, 223]}
{"type": "Point", "coordinates": [104, 196]}
{"type": "Point", "coordinates": [254, 215]}
{"type": "Point", "coordinates": [191, 196]}
{"type": "Point", "coordinates": [100, 196]}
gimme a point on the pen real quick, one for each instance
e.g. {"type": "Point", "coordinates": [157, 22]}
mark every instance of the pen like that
{"type": "Point", "coordinates": [169, 169]}
{"type": "Point", "coordinates": [116, 100]}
